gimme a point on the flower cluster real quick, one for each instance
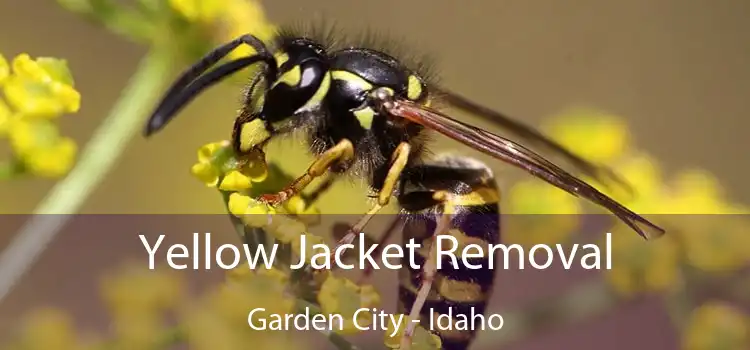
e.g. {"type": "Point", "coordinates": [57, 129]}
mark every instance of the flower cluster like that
{"type": "Point", "coordinates": [36, 93]}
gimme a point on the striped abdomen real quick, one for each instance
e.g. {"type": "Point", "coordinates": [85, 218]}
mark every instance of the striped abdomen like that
{"type": "Point", "coordinates": [457, 290]}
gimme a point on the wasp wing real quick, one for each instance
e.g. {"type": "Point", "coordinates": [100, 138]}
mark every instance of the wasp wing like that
{"type": "Point", "coordinates": [527, 133]}
{"type": "Point", "coordinates": [519, 156]}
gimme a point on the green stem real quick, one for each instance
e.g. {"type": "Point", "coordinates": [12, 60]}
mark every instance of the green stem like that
{"type": "Point", "coordinates": [97, 159]}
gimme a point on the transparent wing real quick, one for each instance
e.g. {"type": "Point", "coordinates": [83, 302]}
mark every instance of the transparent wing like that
{"type": "Point", "coordinates": [519, 156]}
{"type": "Point", "coordinates": [532, 136]}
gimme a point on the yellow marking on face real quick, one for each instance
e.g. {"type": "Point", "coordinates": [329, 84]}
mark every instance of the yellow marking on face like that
{"type": "Point", "coordinates": [281, 58]}
{"type": "Point", "coordinates": [252, 134]}
{"type": "Point", "coordinates": [320, 94]}
{"type": "Point", "coordinates": [365, 117]}
{"type": "Point", "coordinates": [413, 88]}
{"type": "Point", "coordinates": [351, 78]}
{"type": "Point", "coordinates": [291, 77]}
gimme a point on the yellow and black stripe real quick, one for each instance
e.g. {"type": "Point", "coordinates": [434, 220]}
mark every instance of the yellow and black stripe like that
{"type": "Point", "coordinates": [474, 200]}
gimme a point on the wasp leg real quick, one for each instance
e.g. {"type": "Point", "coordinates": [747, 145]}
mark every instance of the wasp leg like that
{"type": "Point", "coordinates": [455, 197]}
{"type": "Point", "coordinates": [341, 152]}
{"type": "Point", "coordinates": [398, 163]}
{"type": "Point", "coordinates": [429, 270]}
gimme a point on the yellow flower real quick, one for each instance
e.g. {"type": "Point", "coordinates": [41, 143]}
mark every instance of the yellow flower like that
{"type": "Point", "coordinates": [697, 192]}
{"type": "Point", "coordinates": [4, 69]}
{"type": "Point", "coordinates": [421, 340]}
{"type": "Point", "coordinates": [253, 213]}
{"type": "Point", "coordinates": [232, 301]}
{"type": "Point", "coordinates": [138, 299]}
{"type": "Point", "coordinates": [640, 266]}
{"type": "Point", "coordinates": [340, 296]}
{"type": "Point", "coordinates": [206, 173]}
{"type": "Point", "coordinates": [538, 197]}
{"type": "Point", "coordinates": [643, 174]}
{"type": "Point", "coordinates": [717, 325]}
{"type": "Point", "coordinates": [39, 146]}
{"type": "Point", "coordinates": [597, 136]}
{"type": "Point", "coordinates": [713, 239]}
{"type": "Point", "coordinates": [198, 10]}
{"type": "Point", "coordinates": [715, 243]}
{"type": "Point", "coordinates": [220, 319]}
{"type": "Point", "coordinates": [53, 161]}
{"type": "Point", "coordinates": [49, 329]}
{"type": "Point", "coordinates": [216, 160]}
{"type": "Point", "coordinates": [298, 207]}
{"type": "Point", "coordinates": [286, 229]}
{"type": "Point", "coordinates": [241, 17]}
{"type": "Point", "coordinates": [235, 181]}
{"type": "Point", "coordinates": [41, 88]}
{"type": "Point", "coordinates": [541, 214]}
{"type": "Point", "coordinates": [135, 290]}
{"type": "Point", "coordinates": [6, 116]}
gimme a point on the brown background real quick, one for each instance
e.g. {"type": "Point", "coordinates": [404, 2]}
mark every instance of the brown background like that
{"type": "Point", "coordinates": [677, 70]}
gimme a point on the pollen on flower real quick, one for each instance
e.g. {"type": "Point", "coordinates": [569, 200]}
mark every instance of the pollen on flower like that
{"type": "Point", "coordinates": [340, 296]}
{"type": "Point", "coordinates": [422, 339]}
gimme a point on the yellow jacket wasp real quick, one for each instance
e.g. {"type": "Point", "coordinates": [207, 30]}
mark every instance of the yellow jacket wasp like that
{"type": "Point", "coordinates": [366, 113]}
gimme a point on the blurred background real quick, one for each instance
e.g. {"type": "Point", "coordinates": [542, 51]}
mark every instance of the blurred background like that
{"type": "Point", "coordinates": [674, 72]}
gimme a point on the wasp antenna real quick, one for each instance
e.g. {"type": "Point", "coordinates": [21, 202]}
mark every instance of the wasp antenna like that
{"type": "Point", "coordinates": [182, 90]}
{"type": "Point", "coordinates": [169, 109]}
